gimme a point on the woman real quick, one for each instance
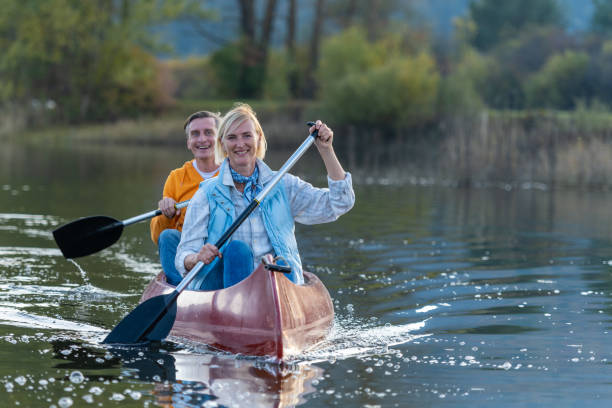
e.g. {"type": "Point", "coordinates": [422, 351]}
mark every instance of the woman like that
{"type": "Point", "coordinates": [270, 228]}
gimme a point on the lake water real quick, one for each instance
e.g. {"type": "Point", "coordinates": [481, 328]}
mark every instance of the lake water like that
{"type": "Point", "coordinates": [495, 296]}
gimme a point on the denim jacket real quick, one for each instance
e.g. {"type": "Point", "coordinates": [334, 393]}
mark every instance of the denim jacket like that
{"type": "Point", "coordinates": [276, 214]}
{"type": "Point", "coordinates": [211, 211]}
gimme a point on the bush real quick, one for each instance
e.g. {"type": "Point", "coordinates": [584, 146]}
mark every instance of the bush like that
{"type": "Point", "coordinates": [192, 78]}
{"type": "Point", "coordinates": [373, 84]}
{"type": "Point", "coordinates": [77, 59]}
{"type": "Point", "coordinates": [276, 85]}
{"type": "Point", "coordinates": [560, 83]}
{"type": "Point", "coordinates": [347, 53]}
{"type": "Point", "coordinates": [461, 90]}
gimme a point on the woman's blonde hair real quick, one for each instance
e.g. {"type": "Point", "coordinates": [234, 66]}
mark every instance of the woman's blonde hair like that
{"type": "Point", "coordinates": [235, 117]}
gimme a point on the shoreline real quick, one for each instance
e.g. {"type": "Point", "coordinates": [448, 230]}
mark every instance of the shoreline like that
{"type": "Point", "coordinates": [555, 149]}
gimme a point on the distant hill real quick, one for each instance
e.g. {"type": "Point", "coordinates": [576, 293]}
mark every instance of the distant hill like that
{"type": "Point", "coordinates": [437, 14]}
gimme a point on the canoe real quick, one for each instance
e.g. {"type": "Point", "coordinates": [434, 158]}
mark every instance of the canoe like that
{"type": "Point", "coordinates": [264, 315]}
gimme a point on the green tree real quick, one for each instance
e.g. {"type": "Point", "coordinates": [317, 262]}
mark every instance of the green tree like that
{"type": "Point", "coordinates": [374, 15]}
{"type": "Point", "coordinates": [561, 83]}
{"type": "Point", "coordinates": [461, 90]}
{"type": "Point", "coordinates": [365, 83]}
{"type": "Point", "coordinates": [76, 61]}
{"type": "Point", "coordinates": [497, 21]}
{"type": "Point", "coordinates": [602, 16]}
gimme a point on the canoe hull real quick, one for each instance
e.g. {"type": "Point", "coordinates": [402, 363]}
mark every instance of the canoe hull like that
{"type": "Point", "coordinates": [264, 315]}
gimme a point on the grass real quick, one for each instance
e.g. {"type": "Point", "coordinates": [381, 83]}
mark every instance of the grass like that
{"type": "Point", "coordinates": [279, 120]}
{"type": "Point", "coordinates": [560, 149]}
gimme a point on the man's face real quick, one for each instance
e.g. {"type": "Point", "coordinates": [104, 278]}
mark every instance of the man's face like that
{"type": "Point", "coordinates": [201, 139]}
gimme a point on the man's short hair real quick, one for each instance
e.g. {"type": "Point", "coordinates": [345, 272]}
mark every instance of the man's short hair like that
{"type": "Point", "coordinates": [201, 114]}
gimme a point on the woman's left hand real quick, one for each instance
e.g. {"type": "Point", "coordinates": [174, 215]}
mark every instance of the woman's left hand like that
{"type": "Point", "coordinates": [326, 135]}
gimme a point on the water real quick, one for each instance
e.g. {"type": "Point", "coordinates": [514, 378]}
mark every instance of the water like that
{"type": "Point", "coordinates": [500, 295]}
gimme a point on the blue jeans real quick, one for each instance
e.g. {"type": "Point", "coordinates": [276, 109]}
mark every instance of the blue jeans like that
{"type": "Point", "coordinates": [167, 243]}
{"type": "Point", "coordinates": [236, 265]}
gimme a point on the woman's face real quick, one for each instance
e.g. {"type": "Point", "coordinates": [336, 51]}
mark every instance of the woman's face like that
{"type": "Point", "coordinates": [240, 143]}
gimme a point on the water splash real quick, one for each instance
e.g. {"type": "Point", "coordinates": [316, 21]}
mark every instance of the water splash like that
{"type": "Point", "coordinates": [81, 271]}
{"type": "Point", "coordinates": [352, 337]}
{"type": "Point", "coordinates": [23, 319]}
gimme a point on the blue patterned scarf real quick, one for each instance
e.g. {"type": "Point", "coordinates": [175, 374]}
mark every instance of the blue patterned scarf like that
{"type": "Point", "coordinates": [251, 185]}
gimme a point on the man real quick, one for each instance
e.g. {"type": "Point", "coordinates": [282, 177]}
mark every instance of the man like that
{"type": "Point", "coordinates": [181, 184]}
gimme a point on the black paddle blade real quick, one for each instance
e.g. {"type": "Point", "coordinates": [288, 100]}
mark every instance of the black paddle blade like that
{"type": "Point", "coordinates": [150, 321]}
{"type": "Point", "coordinates": [87, 235]}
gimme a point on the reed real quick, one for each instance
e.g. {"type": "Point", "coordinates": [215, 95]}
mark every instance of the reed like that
{"type": "Point", "coordinates": [558, 149]}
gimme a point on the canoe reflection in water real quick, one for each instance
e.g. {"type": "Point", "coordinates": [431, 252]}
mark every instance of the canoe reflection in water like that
{"type": "Point", "coordinates": [239, 383]}
{"type": "Point", "coordinates": [187, 379]}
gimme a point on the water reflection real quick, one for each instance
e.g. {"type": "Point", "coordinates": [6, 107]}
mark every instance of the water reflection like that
{"type": "Point", "coordinates": [187, 379]}
{"type": "Point", "coordinates": [443, 296]}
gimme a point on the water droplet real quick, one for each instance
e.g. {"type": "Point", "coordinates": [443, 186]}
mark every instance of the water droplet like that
{"type": "Point", "coordinates": [117, 397]}
{"type": "Point", "coordinates": [76, 377]}
{"type": "Point", "coordinates": [65, 402]}
{"type": "Point", "coordinates": [95, 390]}
{"type": "Point", "coordinates": [136, 395]}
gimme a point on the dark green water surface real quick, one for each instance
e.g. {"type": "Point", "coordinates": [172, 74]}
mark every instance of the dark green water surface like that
{"type": "Point", "coordinates": [494, 296]}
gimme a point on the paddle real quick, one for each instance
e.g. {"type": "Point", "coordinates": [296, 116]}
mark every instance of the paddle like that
{"type": "Point", "coordinates": [92, 234]}
{"type": "Point", "coordinates": [153, 319]}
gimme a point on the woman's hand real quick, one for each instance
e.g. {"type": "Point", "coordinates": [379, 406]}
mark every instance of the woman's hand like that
{"type": "Point", "coordinates": [167, 207]}
{"type": "Point", "coordinates": [326, 135]}
{"type": "Point", "coordinates": [326, 150]}
{"type": "Point", "coordinates": [207, 254]}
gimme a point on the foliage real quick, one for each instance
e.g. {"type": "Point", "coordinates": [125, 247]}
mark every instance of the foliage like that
{"type": "Point", "coordinates": [192, 78]}
{"type": "Point", "coordinates": [598, 82]}
{"type": "Point", "coordinates": [374, 84]}
{"type": "Point", "coordinates": [497, 21]}
{"type": "Point", "coordinates": [374, 16]}
{"type": "Point", "coordinates": [345, 54]}
{"type": "Point", "coordinates": [560, 83]}
{"type": "Point", "coordinates": [225, 66]}
{"type": "Point", "coordinates": [602, 16]}
{"type": "Point", "coordinates": [461, 90]}
{"type": "Point", "coordinates": [528, 51]}
{"type": "Point", "coordinates": [75, 60]}
{"type": "Point", "coordinates": [276, 86]}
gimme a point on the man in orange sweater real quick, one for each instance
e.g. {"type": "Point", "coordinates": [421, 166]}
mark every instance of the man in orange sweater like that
{"type": "Point", "coordinates": [181, 184]}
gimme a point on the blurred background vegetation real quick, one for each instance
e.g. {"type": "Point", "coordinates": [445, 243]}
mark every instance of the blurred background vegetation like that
{"type": "Point", "coordinates": [531, 75]}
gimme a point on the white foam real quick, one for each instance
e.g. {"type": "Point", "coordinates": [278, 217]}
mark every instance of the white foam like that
{"type": "Point", "coordinates": [23, 319]}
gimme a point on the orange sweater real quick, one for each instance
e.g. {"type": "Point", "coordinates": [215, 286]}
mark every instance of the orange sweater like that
{"type": "Point", "coordinates": [181, 185]}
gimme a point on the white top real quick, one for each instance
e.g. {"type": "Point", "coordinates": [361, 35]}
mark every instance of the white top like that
{"type": "Point", "coordinates": [205, 175]}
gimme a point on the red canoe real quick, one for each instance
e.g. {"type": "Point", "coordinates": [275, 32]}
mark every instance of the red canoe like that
{"type": "Point", "coordinates": [264, 315]}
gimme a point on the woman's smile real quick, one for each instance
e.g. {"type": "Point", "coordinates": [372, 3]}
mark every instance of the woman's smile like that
{"type": "Point", "coordinates": [240, 145]}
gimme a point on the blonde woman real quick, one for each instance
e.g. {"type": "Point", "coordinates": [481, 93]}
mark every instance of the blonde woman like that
{"type": "Point", "coordinates": [241, 144]}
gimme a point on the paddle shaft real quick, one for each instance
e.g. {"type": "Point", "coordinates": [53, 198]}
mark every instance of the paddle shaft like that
{"type": "Point", "coordinates": [152, 214]}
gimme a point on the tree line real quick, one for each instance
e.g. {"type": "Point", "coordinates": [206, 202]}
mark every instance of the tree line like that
{"type": "Point", "coordinates": [363, 62]}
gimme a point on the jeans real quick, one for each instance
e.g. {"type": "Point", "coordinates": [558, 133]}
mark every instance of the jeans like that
{"type": "Point", "coordinates": [167, 243]}
{"type": "Point", "coordinates": [236, 265]}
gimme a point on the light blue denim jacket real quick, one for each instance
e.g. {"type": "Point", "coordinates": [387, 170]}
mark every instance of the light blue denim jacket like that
{"type": "Point", "coordinates": [291, 199]}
